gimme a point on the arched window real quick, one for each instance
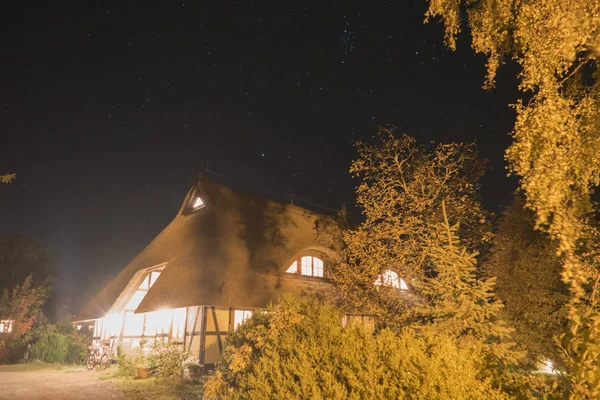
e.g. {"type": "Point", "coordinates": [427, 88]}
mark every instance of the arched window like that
{"type": "Point", "coordinates": [309, 266]}
{"type": "Point", "coordinates": [391, 279]}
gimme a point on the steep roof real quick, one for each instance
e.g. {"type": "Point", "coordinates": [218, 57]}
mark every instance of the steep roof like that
{"type": "Point", "coordinates": [231, 252]}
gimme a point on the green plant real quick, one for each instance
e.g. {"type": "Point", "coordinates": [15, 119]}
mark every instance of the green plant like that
{"type": "Point", "coordinates": [48, 344]}
{"type": "Point", "coordinates": [166, 360]}
{"type": "Point", "coordinates": [195, 370]}
{"type": "Point", "coordinates": [299, 349]}
{"type": "Point", "coordinates": [129, 362]}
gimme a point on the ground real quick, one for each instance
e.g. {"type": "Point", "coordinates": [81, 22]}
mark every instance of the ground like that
{"type": "Point", "coordinates": [44, 382]}
{"type": "Point", "coordinates": [51, 382]}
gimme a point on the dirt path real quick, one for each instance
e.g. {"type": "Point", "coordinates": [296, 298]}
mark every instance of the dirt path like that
{"type": "Point", "coordinates": [52, 385]}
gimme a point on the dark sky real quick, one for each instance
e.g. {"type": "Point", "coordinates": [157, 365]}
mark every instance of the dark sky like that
{"type": "Point", "coordinates": [109, 108]}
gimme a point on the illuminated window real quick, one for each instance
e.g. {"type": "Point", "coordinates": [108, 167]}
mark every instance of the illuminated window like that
{"type": "Point", "coordinates": [293, 269]}
{"type": "Point", "coordinates": [178, 323]}
{"type": "Point", "coordinates": [391, 279]}
{"type": "Point", "coordinates": [197, 203]}
{"type": "Point", "coordinates": [309, 266]}
{"type": "Point", "coordinates": [240, 316]}
{"type": "Point", "coordinates": [6, 325]}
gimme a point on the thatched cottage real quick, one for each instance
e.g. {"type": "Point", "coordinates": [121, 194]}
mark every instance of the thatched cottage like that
{"type": "Point", "coordinates": [225, 254]}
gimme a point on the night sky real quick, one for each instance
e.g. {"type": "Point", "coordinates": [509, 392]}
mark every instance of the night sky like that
{"type": "Point", "coordinates": [109, 109]}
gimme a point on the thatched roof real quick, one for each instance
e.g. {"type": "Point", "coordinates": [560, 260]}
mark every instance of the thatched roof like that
{"type": "Point", "coordinates": [232, 252]}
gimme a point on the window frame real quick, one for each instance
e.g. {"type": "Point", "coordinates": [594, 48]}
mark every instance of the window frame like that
{"type": "Point", "coordinates": [300, 266]}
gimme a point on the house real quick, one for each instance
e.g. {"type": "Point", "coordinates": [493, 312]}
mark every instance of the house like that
{"type": "Point", "coordinates": [225, 254]}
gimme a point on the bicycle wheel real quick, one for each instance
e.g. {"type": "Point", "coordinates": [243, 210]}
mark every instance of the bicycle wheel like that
{"type": "Point", "coordinates": [91, 362]}
{"type": "Point", "coordinates": [103, 362]}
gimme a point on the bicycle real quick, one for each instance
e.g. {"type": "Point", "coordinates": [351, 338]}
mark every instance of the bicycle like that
{"type": "Point", "coordinates": [96, 359]}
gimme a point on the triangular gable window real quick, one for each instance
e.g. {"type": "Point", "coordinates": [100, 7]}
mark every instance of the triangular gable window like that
{"type": "Point", "coordinates": [198, 203]}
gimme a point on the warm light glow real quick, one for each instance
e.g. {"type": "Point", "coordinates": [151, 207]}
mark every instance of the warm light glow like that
{"type": "Point", "coordinates": [311, 266]}
{"type": "Point", "coordinates": [178, 322]}
{"type": "Point", "coordinates": [6, 325]}
{"type": "Point", "coordinates": [391, 279]}
{"type": "Point", "coordinates": [547, 367]}
{"type": "Point", "coordinates": [240, 316]}
{"type": "Point", "coordinates": [293, 268]}
{"type": "Point", "coordinates": [198, 203]}
{"type": "Point", "coordinates": [158, 322]}
{"type": "Point", "coordinates": [112, 324]}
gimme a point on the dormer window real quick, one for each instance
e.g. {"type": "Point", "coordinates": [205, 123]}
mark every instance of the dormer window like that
{"type": "Point", "coordinates": [390, 278]}
{"type": "Point", "coordinates": [198, 203]}
{"type": "Point", "coordinates": [307, 266]}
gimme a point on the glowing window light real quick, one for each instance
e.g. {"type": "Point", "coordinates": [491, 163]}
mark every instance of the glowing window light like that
{"type": "Point", "coordinates": [317, 267]}
{"type": "Point", "coordinates": [240, 316]}
{"type": "Point", "coordinates": [135, 300]}
{"type": "Point", "coordinates": [153, 277]}
{"type": "Point", "coordinates": [306, 263]}
{"type": "Point", "coordinates": [112, 324]}
{"type": "Point", "coordinates": [197, 203]}
{"type": "Point", "coordinates": [158, 322]}
{"type": "Point", "coordinates": [391, 279]}
{"type": "Point", "coordinates": [293, 269]}
{"type": "Point", "coordinates": [134, 324]}
{"type": "Point", "coordinates": [179, 322]}
{"type": "Point", "coordinates": [6, 325]}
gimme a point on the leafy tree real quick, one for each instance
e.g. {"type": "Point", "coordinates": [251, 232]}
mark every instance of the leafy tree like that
{"type": "Point", "coordinates": [556, 136]}
{"type": "Point", "coordinates": [402, 187]}
{"type": "Point", "coordinates": [527, 270]}
{"type": "Point", "coordinates": [456, 302]}
{"type": "Point", "coordinates": [299, 349]}
{"type": "Point", "coordinates": [19, 305]}
{"type": "Point", "coordinates": [7, 178]}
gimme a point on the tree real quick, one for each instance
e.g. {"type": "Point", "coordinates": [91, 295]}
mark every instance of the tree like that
{"type": "Point", "coordinates": [21, 256]}
{"type": "Point", "coordinates": [402, 188]}
{"type": "Point", "coordinates": [556, 137]}
{"type": "Point", "coordinates": [18, 305]}
{"type": "Point", "coordinates": [456, 302]}
{"type": "Point", "coordinates": [527, 272]}
{"type": "Point", "coordinates": [298, 349]}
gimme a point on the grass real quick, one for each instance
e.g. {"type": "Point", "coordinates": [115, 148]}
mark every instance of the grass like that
{"type": "Point", "coordinates": [153, 388]}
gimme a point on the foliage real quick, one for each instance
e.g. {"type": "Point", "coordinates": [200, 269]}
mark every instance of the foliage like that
{"type": "Point", "coordinates": [129, 362]}
{"type": "Point", "coordinates": [196, 371]}
{"type": "Point", "coordinates": [50, 344]}
{"type": "Point", "coordinates": [21, 256]}
{"type": "Point", "coordinates": [19, 305]}
{"type": "Point", "coordinates": [527, 270]}
{"type": "Point", "coordinates": [166, 360]}
{"type": "Point", "coordinates": [7, 178]}
{"type": "Point", "coordinates": [556, 135]}
{"type": "Point", "coordinates": [401, 190]}
{"type": "Point", "coordinates": [299, 349]}
{"type": "Point", "coordinates": [455, 301]}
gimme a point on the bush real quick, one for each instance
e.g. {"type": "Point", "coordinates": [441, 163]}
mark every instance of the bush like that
{"type": "Point", "coordinates": [166, 360]}
{"type": "Point", "coordinates": [51, 344]}
{"type": "Point", "coordinates": [196, 371]}
{"type": "Point", "coordinates": [299, 349]}
{"type": "Point", "coordinates": [129, 363]}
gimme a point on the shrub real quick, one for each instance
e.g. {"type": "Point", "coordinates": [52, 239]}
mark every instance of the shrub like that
{"type": "Point", "coordinates": [196, 371]}
{"type": "Point", "coordinates": [128, 363]}
{"type": "Point", "coordinates": [49, 343]}
{"type": "Point", "coordinates": [166, 360]}
{"type": "Point", "coordinates": [299, 349]}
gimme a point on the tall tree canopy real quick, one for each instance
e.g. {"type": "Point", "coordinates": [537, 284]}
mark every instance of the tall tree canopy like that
{"type": "Point", "coordinates": [556, 135]}
{"type": "Point", "coordinates": [21, 256]}
{"type": "Point", "coordinates": [524, 262]}
{"type": "Point", "coordinates": [402, 188]}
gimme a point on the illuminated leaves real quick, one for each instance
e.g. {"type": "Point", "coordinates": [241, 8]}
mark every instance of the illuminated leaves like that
{"type": "Point", "coordinates": [7, 178]}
